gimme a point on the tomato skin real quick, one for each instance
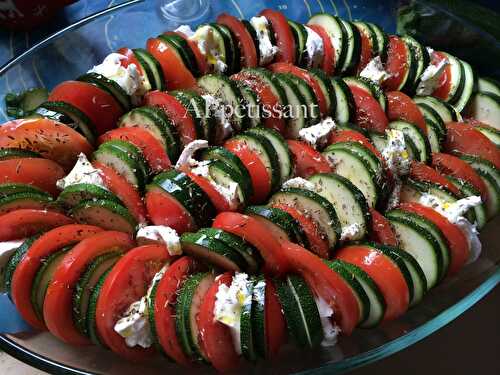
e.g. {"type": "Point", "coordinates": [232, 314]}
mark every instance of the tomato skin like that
{"type": "Point", "coordinates": [176, 112]}
{"type": "Point", "coordinates": [275, 324]}
{"type": "Point", "coordinates": [381, 229]}
{"type": "Point", "coordinates": [328, 65]}
{"type": "Point", "coordinates": [456, 239]}
{"type": "Point", "coordinates": [369, 113]}
{"type": "Point", "coordinates": [53, 140]}
{"type": "Point", "coordinates": [130, 59]}
{"type": "Point", "coordinates": [215, 338]}
{"type": "Point", "coordinates": [325, 283]}
{"type": "Point", "coordinates": [385, 274]}
{"type": "Point", "coordinates": [396, 64]}
{"type": "Point", "coordinates": [27, 222]}
{"type": "Point", "coordinates": [25, 273]}
{"type": "Point", "coordinates": [166, 297]}
{"type": "Point", "coordinates": [99, 106]}
{"type": "Point", "coordinates": [176, 74]}
{"type": "Point", "coordinates": [456, 167]}
{"type": "Point", "coordinates": [58, 305]}
{"type": "Point", "coordinates": [151, 148]}
{"type": "Point", "coordinates": [466, 139]}
{"type": "Point", "coordinates": [220, 203]}
{"type": "Point", "coordinates": [261, 181]}
{"type": "Point", "coordinates": [42, 173]}
{"type": "Point", "coordinates": [444, 86]}
{"type": "Point", "coordinates": [422, 172]}
{"type": "Point", "coordinates": [199, 57]}
{"type": "Point", "coordinates": [284, 36]}
{"type": "Point", "coordinates": [366, 51]}
{"type": "Point", "coordinates": [257, 233]}
{"type": "Point", "coordinates": [307, 160]}
{"type": "Point", "coordinates": [401, 107]}
{"type": "Point", "coordinates": [247, 46]}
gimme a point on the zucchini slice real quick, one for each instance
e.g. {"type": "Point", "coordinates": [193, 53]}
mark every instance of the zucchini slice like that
{"type": "Point", "coordinates": [74, 194]}
{"type": "Point", "coordinates": [419, 139]}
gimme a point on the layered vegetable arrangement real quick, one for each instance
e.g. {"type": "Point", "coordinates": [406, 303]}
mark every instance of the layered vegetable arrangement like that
{"type": "Point", "coordinates": [229, 189]}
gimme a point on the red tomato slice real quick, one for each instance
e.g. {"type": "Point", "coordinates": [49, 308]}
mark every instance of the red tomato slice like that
{"type": "Point", "coordinates": [303, 74]}
{"type": "Point", "coordinates": [328, 65]}
{"type": "Point", "coordinates": [199, 57]}
{"type": "Point", "coordinates": [326, 284]}
{"type": "Point", "coordinates": [366, 51]}
{"type": "Point", "coordinates": [130, 59]}
{"type": "Point", "coordinates": [275, 324]}
{"type": "Point", "coordinates": [42, 173]}
{"type": "Point", "coordinates": [382, 232]}
{"type": "Point", "coordinates": [176, 112]}
{"type": "Point", "coordinates": [444, 86]}
{"type": "Point", "coordinates": [215, 338]}
{"type": "Point", "coordinates": [456, 167]}
{"type": "Point", "coordinates": [457, 242]}
{"type": "Point", "coordinates": [45, 245]}
{"type": "Point", "coordinates": [151, 148]}
{"type": "Point", "coordinates": [245, 40]}
{"type": "Point", "coordinates": [166, 298]}
{"type": "Point", "coordinates": [126, 283]}
{"type": "Point", "coordinates": [466, 139]}
{"type": "Point", "coordinates": [100, 107]}
{"type": "Point", "coordinates": [319, 245]}
{"type": "Point", "coordinates": [163, 209]}
{"type": "Point", "coordinates": [307, 160]}
{"type": "Point", "coordinates": [257, 233]}
{"type": "Point", "coordinates": [58, 304]}
{"type": "Point", "coordinates": [127, 193]}
{"type": "Point", "coordinates": [261, 181]}
{"type": "Point", "coordinates": [176, 74]}
{"type": "Point", "coordinates": [396, 64]}
{"type": "Point", "coordinates": [422, 172]}
{"type": "Point", "coordinates": [27, 222]}
{"type": "Point", "coordinates": [384, 273]}
{"type": "Point", "coordinates": [220, 203]}
{"type": "Point", "coordinates": [369, 112]}
{"type": "Point", "coordinates": [53, 140]}
{"type": "Point", "coordinates": [401, 107]}
{"type": "Point", "coordinates": [284, 36]}
{"type": "Point", "coordinates": [273, 118]}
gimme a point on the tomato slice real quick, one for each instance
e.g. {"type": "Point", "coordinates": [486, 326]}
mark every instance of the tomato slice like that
{"type": "Point", "coordinates": [401, 107]}
{"type": "Point", "coordinates": [42, 173]}
{"type": "Point", "coordinates": [466, 139]}
{"type": "Point", "coordinates": [130, 59]}
{"type": "Point", "coordinates": [275, 324]}
{"type": "Point", "coordinates": [369, 112]}
{"type": "Point", "coordinates": [444, 85]}
{"type": "Point", "coordinates": [58, 305]}
{"type": "Point", "coordinates": [220, 203]}
{"type": "Point", "coordinates": [366, 51]}
{"type": "Point", "coordinates": [384, 273]}
{"type": "Point", "coordinates": [261, 181]}
{"type": "Point", "coordinates": [328, 64]}
{"type": "Point", "coordinates": [307, 160]}
{"type": "Point", "coordinates": [396, 64]}
{"type": "Point", "coordinates": [245, 40]}
{"type": "Point", "coordinates": [201, 61]}
{"type": "Point", "coordinates": [382, 231]}
{"type": "Point", "coordinates": [163, 209]}
{"type": "Point", "coordinates": [303, 74]}
{"type": "Point", "coordinates": [267, 98]}
{"type": "Point", "coordinates": [127, 193]}
{"type": "Point", "coordinates": [457, 242]}
{"type": "Point", "coordinates": [27, 222]}
{"type": "Point", "coordinates": [100, 107]}
{"type": "Point", "coordinates": [45, 245]}
{"type": "Point", "coordinates": [176, 112]}
{"type": "Point", "coordinates": [176, 74]}
{"type": "Point", "coordinates": [326, 284]}
{"type": "Point", "coordinates": [284, 36]}
{"type": "Point", "coordinates": [53, 140]}
{"type": "Point", "coordinates": [215, 338]}
{"type": "Point", "coordinates": [319, 245]}
{"type": "Point", "coordinates": [456, 167]}
{"type": "Point", "coordinates": [151, 148]}
{"type": "Point", "coordinates": [257, 233]}
{"type": "Point", "coordinates": [422, 172]}
{"type": "Point", "coordinates": [164, 307]}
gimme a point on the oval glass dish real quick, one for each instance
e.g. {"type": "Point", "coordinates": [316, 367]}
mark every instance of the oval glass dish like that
{"type": "Point", "coordinates": [78, 47]}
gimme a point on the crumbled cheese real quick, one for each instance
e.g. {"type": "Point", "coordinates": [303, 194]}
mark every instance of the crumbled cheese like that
{"type": "Point", "coordinates": [300, 183]}
{"type": "Point", "coordinates": [229, 303]}
{"type": "Point", "coordinates": [162, 234]}
{"type": "Point", "coordinates": [186, 157]}
{"type": "Point", "coordinates": [134, 326]}
{"type": "Point", "coordinates": [186, 30]}
{"type": "Point", "coordinates": [317, 135]}
{"type": "Point", "coordinates": [209, 47]}
{"type": "Point", "coordinates": [82, 173]}
{"type": "Point", "coordinates": [396, 154]}
{"type": "Point", "coordinates": [266, 48]}
{"type": "Point", "coordinates": [429, 80]}
{"type": "Point", "coordinates": [6, 250]}
{"type": "Point", "coordinates": [350, 232]}
{"type": "Point", "coordinates": [375, 71]}
{"type": "Point", "coordinates": [314, 48]}
{"type": "Point", "coordinates": [455, 212]}
{"type": "Point", "coordinates": [219, 110]}
{"type": "Point", "coordinates": [330, 330]}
